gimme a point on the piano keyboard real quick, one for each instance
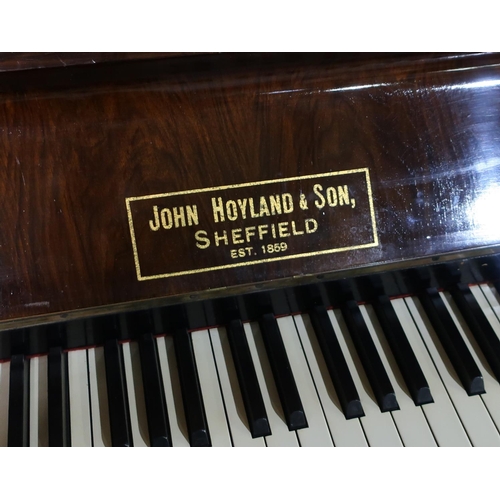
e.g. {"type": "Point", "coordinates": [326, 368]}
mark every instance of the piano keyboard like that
{"type": "Point", "coordinates": [231, 386]}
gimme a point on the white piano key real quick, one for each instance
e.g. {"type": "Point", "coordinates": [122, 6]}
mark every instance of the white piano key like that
{"type": "Point", "coordinates": [135, 393]}
{"type": "Point", "coordinates": [486, 297]}
{"type": "Point", "coordinates": [33, 401]}
{"type": "Point", "coordinates": [210, 389]}
{"type": "Point", "coordinates": [379, 427]}
{"type": "Point", "coordinates": [470, 409]}
{"type": "Point", "coordinates": [281, 436]}
{"type": "Point", "coordinates": [79, 398]}
{"type": "Point", "coordinates": [410, 419]}
{"type": "Point", "coordinates": [4, 402]}
{"type": "Point", "coordinates": [486, 301]}
{"type": "Point", "coordinates": [43, 401]}
{"type": "Point", "coordinates": [344, 432]}
{"type": "Point", "coordinates": [317, 432]}
{"type": "Point", "coordinates": [233, 400]}
{"type": "Point", "coordinates": [441, 414]}
{"type": "Point", "coordinates": [492, 297]}
{"type": "Point", "coordinates": [173, 395]}
{"type": "Point", "coordinates": [101, 431]}
{"type": "Point", "coordinates": [491, 399]}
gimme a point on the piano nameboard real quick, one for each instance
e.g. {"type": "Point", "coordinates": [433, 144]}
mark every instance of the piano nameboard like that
{"type": "Point", "coordinates": [133, 183]}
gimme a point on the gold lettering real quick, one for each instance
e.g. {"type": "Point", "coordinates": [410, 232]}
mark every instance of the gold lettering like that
{"type": "Point", "coordinates": [295, 232]}
{"type": "Point", "coordinates": [283, 229]}
{"type": "Point", "coordinates": [179, 219]}
{"type": "Point", "coordinates": [223, 237]}
{"type": "Point", "coordinates": [154, 226]}
{"type": "Point", "coordinates": [262, 229]}
{"type": "Point", "coordinates": [275, 202]}
{"type": "Point", "coordinates": [237, 239]}
{"type": "Point", "coordinates": [218, 209]}
{"type": "Point", "coordinates": [311, 226]}
{"type": "Point", "coordinates": [343, 195]}
{"type": "Point", "coordinates": [287, 203]}
{"type": "Point", "coordinates": [264, 209]}
{"type": "Point", "coordinates": [317, 188]}
{"type": "Point", "coordinates": [192, 215]}
{"type": "Point", "coordinates": [249, 231]}
{"type": "Point", "coordinates": [201, 239]}
{"type": "Point", "coordinates": [243, 207]}
{"type": "Point", "coordinates": [166, 219]}
{"type": "Point", "coordinates": [252, 209]}
{"type": "Point", "coordinates": [331, 196]}
{"type": "Point", "coordinates": [231, 210]}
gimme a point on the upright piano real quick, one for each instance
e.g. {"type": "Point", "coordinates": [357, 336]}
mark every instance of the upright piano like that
{"type": "Point", "coordinates": [249, 249]}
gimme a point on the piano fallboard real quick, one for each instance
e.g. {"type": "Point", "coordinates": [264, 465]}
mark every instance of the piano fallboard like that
{"type": "Point", "coordinates": [127, 184]}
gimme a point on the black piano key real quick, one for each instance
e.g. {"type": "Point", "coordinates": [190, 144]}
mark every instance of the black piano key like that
{"type": "Point", "coordinates": [119, 417]}
{"type": "Point", "coordinates": [158, 424]}
{"type": "Point", "coordinates": [18, 429]}
{"type": "Point", "coordinates": [285, 383]}
{"type": "Point", "coordinates": [452, 342]}
{"type": "Point", "coordinates": [336, 363]}
{"type": "Point", "coordinates": [247, 379]}
{"type": "Point", "coordinates": [405, 358]}
{"type": "Point", "coordinates": [479, 325]}
{"type": "Point", "coordinates": [194, 409]}
{"type": "Point", "coordinates": [370, 359]}
{"type": "Point", "coordinates": [58, 398]}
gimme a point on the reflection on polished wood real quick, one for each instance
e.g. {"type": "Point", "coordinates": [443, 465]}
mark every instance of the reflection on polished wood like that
{"type": "Point", "coordinates": [77, 141]}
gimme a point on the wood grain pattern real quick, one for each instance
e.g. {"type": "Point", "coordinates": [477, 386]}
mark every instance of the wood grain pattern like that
{"type": "Point", "coordinates": [75, 142]}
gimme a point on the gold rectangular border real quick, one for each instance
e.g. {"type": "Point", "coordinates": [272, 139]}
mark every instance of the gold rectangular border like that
{"type": "Point", "coordinates": [246, 184]}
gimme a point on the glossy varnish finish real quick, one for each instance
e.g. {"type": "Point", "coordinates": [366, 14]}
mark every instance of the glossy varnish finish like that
{"type": "Point", "coordinates": [18, 61]}
{"type": "Point", "coordinates": [75, 142]}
